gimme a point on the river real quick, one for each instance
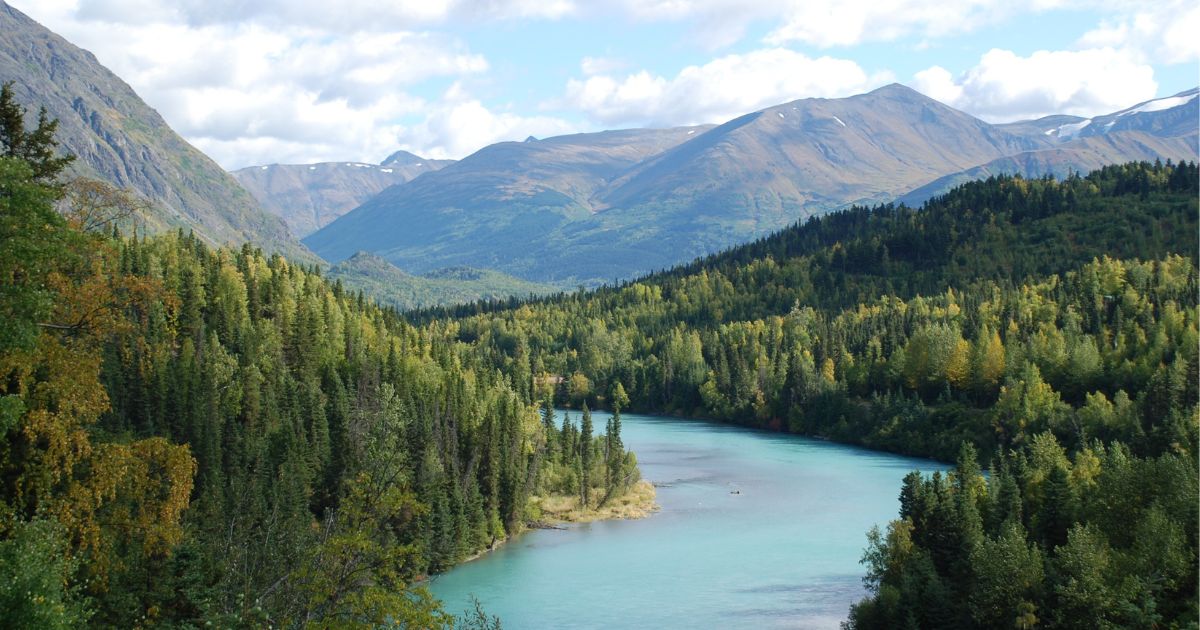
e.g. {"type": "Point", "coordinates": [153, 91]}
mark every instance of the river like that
{"type": "Point", "coordinates": [757, 530]}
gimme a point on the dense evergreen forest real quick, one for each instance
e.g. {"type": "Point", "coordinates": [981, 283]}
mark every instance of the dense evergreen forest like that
{"type": "Point", "coordinates": [1050, 326]}
{"type": "Point", "coordinates": [193, 436]}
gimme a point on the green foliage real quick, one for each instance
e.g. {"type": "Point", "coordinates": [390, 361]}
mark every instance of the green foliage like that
{"type": "Point", "coordinates": [31, 241]}
{"type": "Point", "coordinates": [1066, 555]}
{"type": "Point", "coordinates": [807, 331]}
{"type": "Point", "coordinates": [389, 285]}
{"type": "Point", "coordinates": [35, 148]}
{"type": "Point", "coordinates": [1051, 326]}
{"type": "Point", "coordinates": [192, 436]}
{"type": "Point", "coordinates": [34, 579]}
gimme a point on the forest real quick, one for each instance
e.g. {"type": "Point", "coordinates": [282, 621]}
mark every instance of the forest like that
{"type": "Point", "coordinates": [194, 436]}
{"type": "Point", "coordinates": [1045, 330]}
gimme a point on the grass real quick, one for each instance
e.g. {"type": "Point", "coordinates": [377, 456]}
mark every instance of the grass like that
{"type": "Point", "coordinates": [637, 502]}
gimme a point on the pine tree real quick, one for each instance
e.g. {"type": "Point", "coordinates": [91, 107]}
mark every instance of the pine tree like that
{"type": "Point", "coordinates": [585, 455]}
{"type": "Point", "coordinates": [36, 148]}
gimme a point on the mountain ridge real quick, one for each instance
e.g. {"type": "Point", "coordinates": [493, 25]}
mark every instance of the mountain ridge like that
{"type": "Point", "coordinates": [116, 137]}
{"type": "Point", "coordinates": [585, 209]}
{"type": "Point", "coordinates": [310, 196]}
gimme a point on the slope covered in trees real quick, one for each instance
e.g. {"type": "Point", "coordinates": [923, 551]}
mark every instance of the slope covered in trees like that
{"type": "Point", "coordinates": [392, 286]}
{"type": "Point", "coordinates": [1046, 328]}
{"type": "Point", "coordinates": [829, 328]}
{"type": "Point", "coordinates": [192, 436]}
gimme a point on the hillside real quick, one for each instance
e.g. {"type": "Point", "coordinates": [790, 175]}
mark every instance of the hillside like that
{"type": "Point", "coordinates": [119, 139]}
{"type": "Point", "coordinates": [851, 289]}
{"type": "Point", "coordinates": [196, 436]}
{"type": "Point", "coordinates": [506, 207]}
{"type": "Point", "coordinates": [457, 285]}
{"type": "Point", "coordinates": [310, 196]}
{"type": "Point", "coordinates": [592, 208]}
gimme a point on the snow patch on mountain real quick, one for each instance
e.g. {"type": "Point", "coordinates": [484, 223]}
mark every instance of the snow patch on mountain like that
{"type": "Point", "coordinates": [1159, 104]}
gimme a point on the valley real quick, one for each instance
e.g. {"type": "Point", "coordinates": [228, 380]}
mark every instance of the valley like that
{"type": "Point", "coordinates": [806, 351]}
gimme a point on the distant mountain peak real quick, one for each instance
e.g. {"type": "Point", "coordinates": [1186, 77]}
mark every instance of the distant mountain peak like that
{"type": "Point", "coordinates": [895, 90]}
{"type": "Point", "coordinates": [402, 158]}
{"type": "Point", "coordinates": [309, 196]}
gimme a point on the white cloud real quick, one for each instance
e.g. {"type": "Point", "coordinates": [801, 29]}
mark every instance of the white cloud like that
{"type": "Point", "coordinates": [826, 23]}
{"type": "Point", "coordinates": [600, 65]}
{"type": "Point", "coordinates": [306, 80]}
{"type": "Point", "coordinates": [1166, 32]}
{"type": "Point", "coordinates": [460, 124]}
{"type": "Point", "coordinates": [1004, 86]}
{"type": "Point", "coordinates": [846, 22]}
{"type": "Point", "coordinates": [342, 16]}
{"type": "Point", "coordinates": [714, 92]}
{"type": "Point", "coordinates": [253, 93]}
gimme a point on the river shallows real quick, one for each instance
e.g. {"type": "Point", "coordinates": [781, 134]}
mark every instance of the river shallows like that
{"type": "Point", "coordinates": [781, 553]}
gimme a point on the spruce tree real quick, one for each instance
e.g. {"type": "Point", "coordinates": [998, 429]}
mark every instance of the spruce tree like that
{"type": "Point", "coordinates": [585, 454]}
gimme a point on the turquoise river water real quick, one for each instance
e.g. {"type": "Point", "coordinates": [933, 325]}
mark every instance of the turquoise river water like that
{"type": "Point", "coordinates": [783, 552]}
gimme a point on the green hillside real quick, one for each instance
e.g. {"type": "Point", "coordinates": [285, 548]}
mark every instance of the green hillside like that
{"type": "Point", "coordinates": [389, 285]}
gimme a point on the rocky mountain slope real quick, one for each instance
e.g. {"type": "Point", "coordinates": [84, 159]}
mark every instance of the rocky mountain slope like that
{"type": "Point", "coordinates": [309, 196]}
{"type": "Point", "coordinates": [118, 138]}
{"type": "Point", "coordinates": [503, 207]}
{"type": "Point", "coordinates": [610, 205]}
{"type": "Point", "coordinates": [1159, 129]}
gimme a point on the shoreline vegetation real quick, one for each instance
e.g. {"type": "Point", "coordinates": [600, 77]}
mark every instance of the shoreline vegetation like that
{"type": "Point", "coordinates": [557, 510]}
{"type": "Point", "coordinates": [639, 501]}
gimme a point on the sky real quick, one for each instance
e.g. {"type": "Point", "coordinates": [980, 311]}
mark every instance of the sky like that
{"type": "Point", "coordinates": [298, 81]}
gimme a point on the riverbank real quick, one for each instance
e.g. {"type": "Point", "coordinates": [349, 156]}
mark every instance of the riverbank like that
{"type": "Point", "coordinates": [708, 558]}
{"type": "Point", "coordinates": [637, 502]}
{"type": "Point", "coordinates": [555, 511]}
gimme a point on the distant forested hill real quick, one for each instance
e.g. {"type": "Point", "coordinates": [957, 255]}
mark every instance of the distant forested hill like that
{"type": "Point", "coordinates": [392, 286]}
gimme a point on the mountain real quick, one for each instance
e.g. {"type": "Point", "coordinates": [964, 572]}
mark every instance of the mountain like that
{"type": "Point", "coordinates": [456, 285]}
{"type": "Point", "coordinates": [118, 138]}
{"type": "Point", "coordinates": [309, 196]}
{"type": "Point", "coordinates": [1173, 116]}
{"type": "Point", "coordinates": [415, 163]}
{"type": "Point", "coordinates": [506, 207]}
{"type": "Point", "coordinates": [612, 205]}
{"type": "Point", "coordinates": [1158, 129]}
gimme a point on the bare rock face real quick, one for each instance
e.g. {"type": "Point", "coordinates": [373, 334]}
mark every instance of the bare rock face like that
{"type": "Point", "coordinates": [118, 138]}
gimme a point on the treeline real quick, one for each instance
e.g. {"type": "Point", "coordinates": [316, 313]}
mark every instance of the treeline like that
{"type": "Point", "coordinates": [193, 436]}
{"type": "Point", "coordinates": [1005, 229]}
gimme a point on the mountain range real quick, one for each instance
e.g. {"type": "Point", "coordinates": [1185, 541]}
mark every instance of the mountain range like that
{"type": "Point", "coordinates": [569, 210]}
{"type": "Point", "coordinates": [118, 138]}
{"type": "Point", "coordinates": [309, 196]}
{"type": "Point", "coordinates": [589, 208]}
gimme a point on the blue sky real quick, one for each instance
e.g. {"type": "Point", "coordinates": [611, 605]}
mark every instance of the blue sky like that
{"type": "Point", "coordinates": [296, 81]}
